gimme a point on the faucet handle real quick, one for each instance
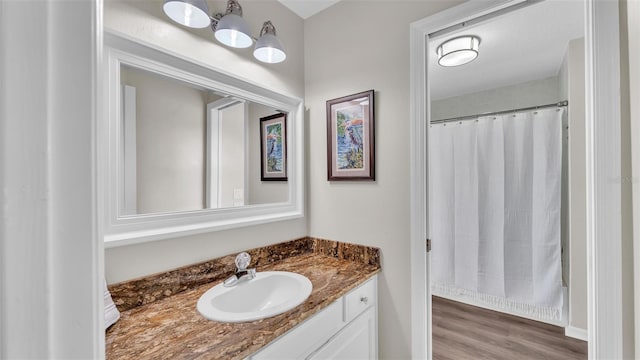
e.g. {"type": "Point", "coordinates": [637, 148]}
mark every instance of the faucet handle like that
{"type": "Point", "coordinates": [242, 261]}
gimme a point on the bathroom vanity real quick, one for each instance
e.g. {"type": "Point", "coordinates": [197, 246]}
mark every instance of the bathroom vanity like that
{"type": "Point", "coordinates": [159, 319]}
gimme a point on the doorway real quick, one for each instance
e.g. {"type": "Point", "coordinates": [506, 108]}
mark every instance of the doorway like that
{"type": "Point", "coordinates": [227, 153]}
{"type": "Point", "coordinates": [596, 48]}
{"type": "Point", "coordinates": [502, 166]}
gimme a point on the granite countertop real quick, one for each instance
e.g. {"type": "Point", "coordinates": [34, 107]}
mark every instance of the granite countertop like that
{"type": "Point", "coordinates": [172, 328]}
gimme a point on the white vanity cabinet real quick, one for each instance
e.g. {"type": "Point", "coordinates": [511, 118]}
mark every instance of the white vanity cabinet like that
{"type": "Point", "coordinates": [346, 329]}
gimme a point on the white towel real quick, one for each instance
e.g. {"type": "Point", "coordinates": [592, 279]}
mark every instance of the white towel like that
{"type": "Point", "coordinates": [111, 313]}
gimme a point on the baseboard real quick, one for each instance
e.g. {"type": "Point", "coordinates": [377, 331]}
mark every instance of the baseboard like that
{"type": "Point", "coordinates": [576, 333]}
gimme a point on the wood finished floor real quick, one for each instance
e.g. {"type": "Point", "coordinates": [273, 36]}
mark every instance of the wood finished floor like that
{"type": "Point", "coordinates": [462, 332]}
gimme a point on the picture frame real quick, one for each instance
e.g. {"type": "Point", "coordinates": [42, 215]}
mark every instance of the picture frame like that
{"type": "Point", "coordinates": [273, 147]}
{"type": "Point", "coordinates": [351, 137]}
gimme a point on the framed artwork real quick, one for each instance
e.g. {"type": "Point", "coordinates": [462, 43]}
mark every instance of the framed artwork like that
{"type": "Point", "coordinates": [273, 148]}
{"type": "Point", "coordinates": [350, 137]}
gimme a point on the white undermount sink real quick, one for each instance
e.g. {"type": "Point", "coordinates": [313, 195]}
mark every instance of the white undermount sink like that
{"type": "Point", "coordinates": [268, 294]}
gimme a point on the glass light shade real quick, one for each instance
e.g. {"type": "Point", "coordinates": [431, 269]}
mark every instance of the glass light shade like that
{"type": "Point", "coordinates": [269, 49]}
{"type": "Point", "coordinates": [233, 31]}
{"type": "Point", "coordinates": [458, 51]}
{"type": "Point", "coordinates": [191, 13]}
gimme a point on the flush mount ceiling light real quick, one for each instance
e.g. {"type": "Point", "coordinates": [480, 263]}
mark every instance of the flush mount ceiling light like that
{"type": "Point", "coordinates": [229, 28]}
{"type": "Point", "coordinates": [458, 51]}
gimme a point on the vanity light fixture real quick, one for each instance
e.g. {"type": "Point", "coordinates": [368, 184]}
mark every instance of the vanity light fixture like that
{"type": "Point", "coordinates": [229, 28]}
{"type": "Point", "coordinates": [191, 13]}
{"type": "Point", "coordinates": [458, 51]}
{"type": "Point", "coordinates": [268, 47]}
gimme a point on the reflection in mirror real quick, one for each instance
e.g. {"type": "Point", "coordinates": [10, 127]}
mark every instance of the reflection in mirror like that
{"type": "Point", "coordinates": [180, 150]}
{"type": "Point", "coordinates": [186, 147]}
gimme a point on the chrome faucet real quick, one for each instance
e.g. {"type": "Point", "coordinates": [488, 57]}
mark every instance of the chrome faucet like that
{"type": "Point", "coordinates": [242, 273]}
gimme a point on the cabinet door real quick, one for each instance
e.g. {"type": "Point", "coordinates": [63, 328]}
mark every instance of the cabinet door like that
{"type": "Point", "coordinates": [304, 339]}
{"type": "Point", "coordinates": [358, 340]}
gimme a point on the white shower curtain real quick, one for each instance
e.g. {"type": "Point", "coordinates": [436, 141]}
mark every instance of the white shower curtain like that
{"type": "Point", "coordinates": [495, 211]}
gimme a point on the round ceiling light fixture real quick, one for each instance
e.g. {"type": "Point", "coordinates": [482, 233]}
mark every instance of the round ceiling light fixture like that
{"type": "Point", "coordinates": [458, 51]}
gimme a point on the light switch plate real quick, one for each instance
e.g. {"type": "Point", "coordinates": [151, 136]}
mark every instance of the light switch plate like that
{"type": "Point", "coordinates": [238, 194]}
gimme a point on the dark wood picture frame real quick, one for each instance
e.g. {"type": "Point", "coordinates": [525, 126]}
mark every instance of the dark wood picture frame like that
{"type": "Point", "coordinates": [351, 137]}
{"type": "Point", "coordinates": [273, 147]}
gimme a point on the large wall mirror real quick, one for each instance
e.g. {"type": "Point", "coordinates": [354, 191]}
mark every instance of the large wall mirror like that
{"type": "Point", "coordinates": [186, 152]}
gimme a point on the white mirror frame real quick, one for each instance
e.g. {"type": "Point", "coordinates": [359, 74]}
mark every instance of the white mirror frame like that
{"type": "Point", "coordinates": [130, 229]}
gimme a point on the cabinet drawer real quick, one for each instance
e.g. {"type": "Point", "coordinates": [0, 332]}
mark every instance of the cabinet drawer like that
{"type": "Point", "coordinates": [300, 341]}
{"type": "Point", "coordinates": [360, 299]}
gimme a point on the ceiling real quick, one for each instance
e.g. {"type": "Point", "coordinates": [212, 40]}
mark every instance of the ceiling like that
{"type": "Point", "coordinates": [307, 8]}
{"type": "Point", "coordinates": [524, 45]}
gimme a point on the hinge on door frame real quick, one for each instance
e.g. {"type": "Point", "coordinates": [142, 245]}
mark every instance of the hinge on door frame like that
{"type": "Point", "coordinates": [428, 245]}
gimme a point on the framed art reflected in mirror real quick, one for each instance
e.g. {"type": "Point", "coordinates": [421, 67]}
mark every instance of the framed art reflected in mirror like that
{"type": "Point", "coordinates": [273, 147]}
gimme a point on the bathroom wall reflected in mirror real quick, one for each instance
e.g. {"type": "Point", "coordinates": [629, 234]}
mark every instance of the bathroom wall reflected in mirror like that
{"type": "Point", "coordinates": [186, 147]}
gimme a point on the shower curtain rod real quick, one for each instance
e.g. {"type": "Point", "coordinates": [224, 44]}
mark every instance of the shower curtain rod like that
{"type": "Point", "coordinates": [471, 117]}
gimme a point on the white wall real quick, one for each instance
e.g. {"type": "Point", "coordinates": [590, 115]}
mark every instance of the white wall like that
{"type": "Point", "coordinates": [145, 20]}
{"type": "Point", "coordinates": [531, 93]}
{"type": "Point", "coordinates": [170, 128]}
{"type": "Point", "coordinates": [261, 192]}
{"type": "Point", "coordinates": [345, 55]}
{"type": "Point", "coordinates": [23, 122]}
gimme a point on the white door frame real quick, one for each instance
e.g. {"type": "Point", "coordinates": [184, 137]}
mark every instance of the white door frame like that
{"type": "Point", "coordinates": [213, 149]}
{"type": "Point", "coordinates": [212, 188]}
{"type": "Point", "coordinates": [128, 178]}
{"type": "Point", "coordinates": [602, 75]}
{"type": "Point", "coordinates": [633, 21]}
